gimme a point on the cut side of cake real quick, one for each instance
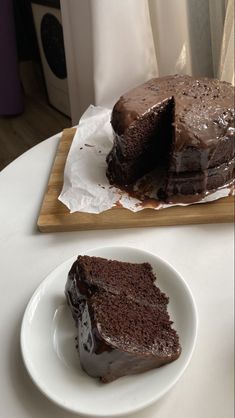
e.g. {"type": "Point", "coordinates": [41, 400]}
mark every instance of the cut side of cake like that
{"type": "Point", "coordinates": [145, 145]}
{"type": "Point", "coordinates": [183, 123]}
{"type": "Point", "coordinates": [121, 316]}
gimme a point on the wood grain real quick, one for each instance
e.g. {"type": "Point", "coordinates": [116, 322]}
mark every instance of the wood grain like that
{"type": "Point", "coordinates": [54, 216]}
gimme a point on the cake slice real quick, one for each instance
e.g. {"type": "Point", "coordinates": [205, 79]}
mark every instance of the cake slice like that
{"type": "Point", "coordinates": [121, 316]}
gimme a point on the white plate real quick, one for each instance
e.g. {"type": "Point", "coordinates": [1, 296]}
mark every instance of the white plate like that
{"type": "Point", "coordinates": [48, 346]}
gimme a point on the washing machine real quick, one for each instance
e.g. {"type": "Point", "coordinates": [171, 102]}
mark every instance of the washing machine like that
{"type": "Point", "coordinates": [49, 31]}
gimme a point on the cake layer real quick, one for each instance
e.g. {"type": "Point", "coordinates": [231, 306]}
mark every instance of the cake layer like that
{"type": "Point", "coordinates": [126, 171]}
{"type": "Point", "coordinates": [117, 338]}
{"type": "Point", "coordinates": [134, 280]}
{"type": "Point", "coordinates": [183, 183]}
{"type": "Point", "coordinates": [195, 159]}
{"type": "Point", "coordinates": [199, 182]}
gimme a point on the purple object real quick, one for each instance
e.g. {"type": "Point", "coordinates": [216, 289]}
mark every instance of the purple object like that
{"type": "Point", "coordinates": [11, 100]}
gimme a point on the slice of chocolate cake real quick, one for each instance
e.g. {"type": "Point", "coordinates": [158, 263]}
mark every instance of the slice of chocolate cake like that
{"type": "Point", "coordinates": [122, 319]}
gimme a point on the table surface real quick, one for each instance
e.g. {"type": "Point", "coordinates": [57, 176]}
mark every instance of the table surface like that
{"type": "Point", "coordinates": [203, 254]}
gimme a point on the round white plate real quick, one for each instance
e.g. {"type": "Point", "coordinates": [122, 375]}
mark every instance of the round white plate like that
{"type": "Point", "coordinates": [48, 344]}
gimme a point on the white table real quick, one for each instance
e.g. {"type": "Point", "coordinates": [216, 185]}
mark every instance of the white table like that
{"type": "Point", "coordinates": [203, 254]}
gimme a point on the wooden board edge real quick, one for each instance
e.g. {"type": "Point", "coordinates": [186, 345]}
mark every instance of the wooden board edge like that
{"type": "Point", "coordinates": [63, 226]}
{"type": "Point", "coordinates": [71, 131]}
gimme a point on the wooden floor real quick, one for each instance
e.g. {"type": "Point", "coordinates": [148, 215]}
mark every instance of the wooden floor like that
{"type": "Point", "coordinates": [19, 133]}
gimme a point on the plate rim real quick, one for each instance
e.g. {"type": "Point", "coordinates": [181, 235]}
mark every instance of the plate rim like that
{"type": "Point", "coordinates": [54, 398]}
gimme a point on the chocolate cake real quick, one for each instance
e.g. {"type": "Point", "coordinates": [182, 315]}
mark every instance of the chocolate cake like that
{"type": "Point", "coordinates": [122, 319]}
{"type": "Point", "coordinates": [183, 123]}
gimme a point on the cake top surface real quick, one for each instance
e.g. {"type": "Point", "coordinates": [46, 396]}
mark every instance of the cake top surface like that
{"type": "Point", "coordinates": [204, 107]}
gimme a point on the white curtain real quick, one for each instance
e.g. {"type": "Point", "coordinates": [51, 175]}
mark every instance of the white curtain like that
{"type": "Point", "coordinates": [114, 45]}
{"type": "Point", "coordinates": [226, 66]}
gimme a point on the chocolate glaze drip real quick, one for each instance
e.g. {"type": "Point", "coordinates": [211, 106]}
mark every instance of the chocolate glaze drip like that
{"type": "Point", "coordinates": [204, 108]}
{"type": "Point", "coordinates": [106, 307]}
{"type": "Point", "coordinates": [197, 183]}
{"type": "Point", "coordinates": [192, 131]}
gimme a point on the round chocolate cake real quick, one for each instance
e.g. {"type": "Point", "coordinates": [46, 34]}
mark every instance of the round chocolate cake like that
{"type": "Point", "coordinates": [180, 123]}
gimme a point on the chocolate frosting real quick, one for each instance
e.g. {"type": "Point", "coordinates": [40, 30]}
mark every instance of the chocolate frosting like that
{"type": "Point", "coordinates": [204, 108]}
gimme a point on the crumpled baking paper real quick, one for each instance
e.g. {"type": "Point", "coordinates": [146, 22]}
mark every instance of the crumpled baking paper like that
{"type": "Point", "coordinates": [86, 187]}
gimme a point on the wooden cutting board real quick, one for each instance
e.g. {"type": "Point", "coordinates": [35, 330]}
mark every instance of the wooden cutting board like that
{"type": "Point", "coordinates": [54, 216]}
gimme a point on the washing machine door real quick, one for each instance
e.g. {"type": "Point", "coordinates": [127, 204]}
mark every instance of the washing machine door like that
{"type": "Point", "coordinates": [50, 39]}
{"type": "Point", "coordinates": [53, 45]}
